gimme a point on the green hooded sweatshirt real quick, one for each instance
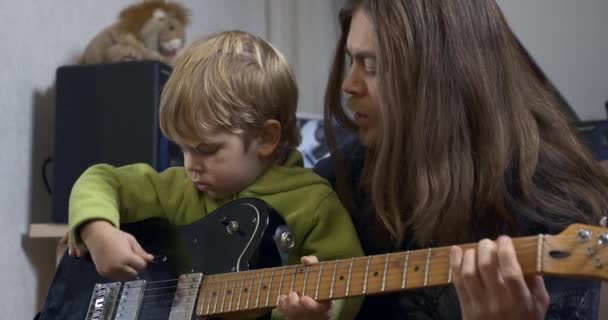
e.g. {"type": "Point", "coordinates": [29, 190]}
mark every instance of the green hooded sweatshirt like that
{"type": "Point", "coordinates": [319, 223]}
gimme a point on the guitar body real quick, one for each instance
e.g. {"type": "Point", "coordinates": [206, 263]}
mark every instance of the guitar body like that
{"type": "Point", "coordinates": [242, 235]}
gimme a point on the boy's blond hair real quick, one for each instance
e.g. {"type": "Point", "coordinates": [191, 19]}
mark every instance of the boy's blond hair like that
{"type": "Point", "coordinates": [231, 81]}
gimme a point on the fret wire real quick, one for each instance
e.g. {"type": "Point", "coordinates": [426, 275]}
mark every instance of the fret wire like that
{"type": "Point", "coordinates": [407, 258]}
{"type": "Point", "coordinates": [202, 299]}
{"type": "Point", "coordinates": [319, 280]}
{"type": "Point", "coordinates": [333, 280]}
{"type": "Point", "coordinates": [426, 269]}
{"type": "Point", "coordinates": [306, 269]}
{"type": "Point", "coordinates": [209, 303]}
{"type": "Point", "coordinates": [232, 295]}
{"type": "Point", "coordinates": [350, 269]}
{"type": "Point", "coordinates": [257, 298]}
{"type": "Point", "coordinates": [281, 284]}
{"type": "Point", "coordinates": [217, 297]}
{"type": "Point", "coordinates": [369, 259]}
{"type": "Point", "coordinates": [293, 279]}
{"type": "Point", "coordinates": [386, 257]}
{"type": "Point", "coordinates": [224, 297]}
{"type": "Point", "coordinates": [238, 301]}
{"type": "Point", "coordinates": [269, 286]}
{"type": "Point", "coordinates": [249, 291]}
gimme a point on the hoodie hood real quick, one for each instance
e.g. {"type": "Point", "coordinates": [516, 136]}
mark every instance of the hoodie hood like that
{"type": "Point", "coordinates": [284, 178]}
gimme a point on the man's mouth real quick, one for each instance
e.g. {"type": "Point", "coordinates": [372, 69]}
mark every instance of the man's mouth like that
{"type": "Point", "coordinates": [361, 119]}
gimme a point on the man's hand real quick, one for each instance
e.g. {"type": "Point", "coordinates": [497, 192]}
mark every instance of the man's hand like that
{"type": "Point", "coordinates": [491, 285]}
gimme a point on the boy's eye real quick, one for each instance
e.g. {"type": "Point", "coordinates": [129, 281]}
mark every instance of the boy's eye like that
{"type": "Point", "coordinates": [206, 150]}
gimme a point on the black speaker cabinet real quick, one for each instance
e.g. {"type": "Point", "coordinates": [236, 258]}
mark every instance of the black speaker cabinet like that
{"type": "Point", "coordinates": [107, 113]}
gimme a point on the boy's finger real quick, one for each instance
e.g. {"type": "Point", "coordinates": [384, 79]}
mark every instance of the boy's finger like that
{"type": "Point", "coordinates": [308, 260]}
{"type": "Point", "coordinates": [65, 238]}
{"type": "Point", "coordinates": [128, 273]}
{"type": "Point", "coordinates": [138, 250]}
{"type": "Point", "coordinates": [136, 262]}
{"type": "Point", "coordinates": [314, 306]}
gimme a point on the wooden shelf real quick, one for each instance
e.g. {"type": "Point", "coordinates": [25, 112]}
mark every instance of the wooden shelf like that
{"type": "Point", "coordinates": [48, 230]}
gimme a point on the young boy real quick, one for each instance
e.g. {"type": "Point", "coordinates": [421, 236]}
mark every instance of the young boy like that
{"type": "Point", "coordinates": [230, 103]}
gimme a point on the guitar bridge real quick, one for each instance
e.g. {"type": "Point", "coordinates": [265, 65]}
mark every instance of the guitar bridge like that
{"type": "Point", "coordinates": [103, 301]}
{"type": "Point", "coordinates": [130, 300]}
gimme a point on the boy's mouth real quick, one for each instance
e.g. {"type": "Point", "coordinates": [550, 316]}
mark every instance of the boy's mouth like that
{"type": "Point", "coordinates": [201, 186]}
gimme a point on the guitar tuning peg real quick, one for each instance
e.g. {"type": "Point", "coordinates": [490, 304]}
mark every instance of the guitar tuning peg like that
{"type": "Point", "coordinates": [604, 221]}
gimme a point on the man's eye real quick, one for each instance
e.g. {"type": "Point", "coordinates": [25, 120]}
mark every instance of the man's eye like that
{"type": "Point", "coordinates": [370, 66]}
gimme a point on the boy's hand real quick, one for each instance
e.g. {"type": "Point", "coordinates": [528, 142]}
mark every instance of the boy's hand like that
{"type": "Point", "coordinates": [294, 307]}
{"type": "Point", "coordinates": [116, 254]}
{"type": "Point", "coordinates": [73, 250]}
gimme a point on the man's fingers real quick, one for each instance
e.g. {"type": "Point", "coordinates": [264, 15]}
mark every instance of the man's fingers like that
{"type": "Point", "coordinates": [536, 284]}
{"type": "Point", "coordinates": [456, 257]}
{"type": "Point", "coordinates": [511, 270]}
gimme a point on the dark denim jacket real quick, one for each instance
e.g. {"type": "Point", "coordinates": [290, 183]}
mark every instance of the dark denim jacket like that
{"type": "Point", "coordinates": [570, 298]}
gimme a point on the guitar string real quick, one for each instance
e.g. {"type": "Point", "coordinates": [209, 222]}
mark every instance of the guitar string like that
{"type": "Point", "coordinates": [223, 278]}
{"type": "Point", "coordinates": [419, 255]}
{"type": "Point", "coordinates": [413, 260]}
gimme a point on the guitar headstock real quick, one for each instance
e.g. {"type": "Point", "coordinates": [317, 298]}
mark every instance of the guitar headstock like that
{"type": "Point", "coordinates": [578, 251]}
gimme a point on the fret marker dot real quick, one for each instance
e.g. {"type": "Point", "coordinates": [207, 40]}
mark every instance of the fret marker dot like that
{"type": "Point", "coordinates": [229, 292]}
{"type": "Point", "coordinates": [341, 277]}
{"type": "Point", "coordinates": [376, 274]}
{"type": "Point", "coordinates": [214, 293]}
{"type": "Point", "coordinates": [416, 268]}
{"type": "Point", "coordinates": [264, 288]}
{"type": "Point", "coordinates": [245, 289]}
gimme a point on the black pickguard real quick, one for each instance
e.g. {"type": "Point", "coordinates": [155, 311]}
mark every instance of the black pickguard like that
{"type": "Point", "coordinates": [208, 246]}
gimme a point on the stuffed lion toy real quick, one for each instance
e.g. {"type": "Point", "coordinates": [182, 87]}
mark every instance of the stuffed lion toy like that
{"type": "Point", "coordinates": [150, 30]}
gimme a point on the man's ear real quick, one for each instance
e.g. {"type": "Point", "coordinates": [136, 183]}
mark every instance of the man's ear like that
{"type": "Point", "coordinates": [270, 136]}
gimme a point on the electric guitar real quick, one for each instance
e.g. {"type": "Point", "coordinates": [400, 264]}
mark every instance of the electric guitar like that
{"type": "Point", "coordinates": [228, 265]}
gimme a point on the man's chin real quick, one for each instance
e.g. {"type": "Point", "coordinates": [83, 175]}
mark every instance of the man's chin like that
{"type": "Point", "coordinates": [367, 139]}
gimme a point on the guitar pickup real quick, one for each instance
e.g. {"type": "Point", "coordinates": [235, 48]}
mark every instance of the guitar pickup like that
{"type": "Point", "coordinates": [103, 301]}
{"type": "Point", "coordinates": [130, 300]}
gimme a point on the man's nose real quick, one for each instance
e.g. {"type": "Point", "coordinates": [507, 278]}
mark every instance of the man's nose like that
{"type": "Point", "coordinates": [353, 84]}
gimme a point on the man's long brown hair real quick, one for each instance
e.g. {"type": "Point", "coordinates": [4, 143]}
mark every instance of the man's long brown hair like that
{"type": "Point", "coordinates": [469, 134]}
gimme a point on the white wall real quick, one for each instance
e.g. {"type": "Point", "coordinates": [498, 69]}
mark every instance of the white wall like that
{"type": "Point", "coordinates": [38, 36]}
{"type": "Point", "coordinates": [569, 40]}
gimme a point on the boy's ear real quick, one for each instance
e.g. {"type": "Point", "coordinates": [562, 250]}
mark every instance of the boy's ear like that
{"type": "Point", "coordinates": [270, 136]}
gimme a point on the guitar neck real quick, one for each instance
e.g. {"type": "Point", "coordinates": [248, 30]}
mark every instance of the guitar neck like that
{"type": "Point", "coordinates": [328, 280]}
